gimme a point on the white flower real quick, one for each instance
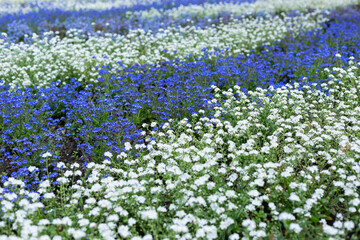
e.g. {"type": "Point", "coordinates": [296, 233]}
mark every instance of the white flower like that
{"type": "Point", "coordinates": [210, 231]}
{"type": "Point", "coordinates": [124, 231]}
{"type": "Point", "coordinates": [96, 187]}
{"type": "Point", "coordinates": [286, 216]}
{"type": "Point", "coordinates": [258, 234]}
{"type": "Point", "coordinates": [107, 161]}
{"type": "Point", "coordinates": [262, 225]}
{"type": "Point", "coordinates": [200, 233]}
{"type": "Point", "coordinates": [67, 221]}
{"type": "Point", "coordinates": [32, 168]}
{"type": "Point", "coordinates": [7, 206]}
{"type": "Point", "coordinates": [352, 209]}
{"type": "Point", "coordinates": [68, 173]}
{"type": "Point", "coordinates": [287, 172]}
{"type": "Point", "coordinates": [10, 196]}
{"type": "Point", "coordinates": [43, 222]}
{"type": "Point", "coordinates": [162, 209]}
{"type": "Point", "coordinates": [104, 203]}
{"type": "Point", "coordinates": [47, 154]}
{"type": "Point", "coordinates": [77, 234]}
{"type": "Point", "coordinates": [230, 193]}
{"type": "Point", "coordinates": [226, 223]}
{"type": "Point", "coordinates": [62, 180]}
{"type": "Point", "coordinates": [147, 237]}
{"type": "Point", "coordinates": [49, 195]}
{"type": "Point", "coordinates": [127, 146]}
{"type": "Point", "coordinates": [136, 238]}
{"type": "Point", "coordinates": [94, 212]}
{"type": "Point", "coordinates": [113, 217]}
{"type": "Point", "coordinates": [234, 236]}
{"type": "Point", "coordinates": [90, 200]}
{"type": "Point", "coordinates": [131, 221]}
{"type": "Point", "coordinates": [44, 184]}
{"type": "Point", "coordinates": [44, 237]}
{"type": "Point", "coordinates": [202, 180]}
{"type": "Point", "coordinates": [249, 224]}
{"type": "Point", "coordinates": [179, 228]}
{"type": "Point", "coordinates": [210, 185]}
{"type": "Point", "coordinates": [90, 165]}
{"type": "Point", "coordinates": [254, 193]}
{"type": "Point", "coordinates": [293, 197]}
{"type": "Point", "coordinates": [83, 222]}
{"type": "Point", "coordinates": [295, 227]}
{"type": "Point", "coordinates": [74, 165]}
{"type": "Point", "coordinates": [148, 215]}
{"type": "Point", "coordinates": [338, 224]}
{"type": "Point", "coordinates": [61, 165]}
{"type": "Point", "coordinates": [349, 225]}
{"type": "Point", "coordinates": [287, 149]}
{"type": "Point", "coordinates": [108, 154]}
{"type": "Point", "coordinates": [329, 230]}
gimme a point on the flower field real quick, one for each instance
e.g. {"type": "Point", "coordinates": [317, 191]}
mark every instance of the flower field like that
{"type": "Point", "coordinates": [164, 119]}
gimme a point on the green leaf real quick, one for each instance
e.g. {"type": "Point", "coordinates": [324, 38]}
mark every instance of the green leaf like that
{"type": "Point", "coordinates": [314, 219]}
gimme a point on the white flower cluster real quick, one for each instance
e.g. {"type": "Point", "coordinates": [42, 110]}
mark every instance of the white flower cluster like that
{"type": "Point", "coordinates": [24, 6]}
{"type": "Point", "coordinates": [284, 157]}
{"type": "Point", "coordinates": [237, 9]}
{"type": "Point", "coordinates": [51, 59]}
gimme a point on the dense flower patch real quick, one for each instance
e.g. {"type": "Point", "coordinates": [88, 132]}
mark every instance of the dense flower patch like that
{"type": "Point", "coordinates": [78, 54]}
{"type": "Point", "coordinates": [122, 16]}
{"type": "Point", "coordinates": [233, 125]}
{"type": "Point", "coordinates": [97, 16]}
{"type": "Point", "coordinates": [16, 6]}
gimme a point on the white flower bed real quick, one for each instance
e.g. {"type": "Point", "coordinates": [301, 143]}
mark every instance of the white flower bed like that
{"type": "Point", "coordinates": [13, 6]}
{"type": "Point", "coordinates": [53, 59]}
{"type": "Point", "coordinates": [266, 6]}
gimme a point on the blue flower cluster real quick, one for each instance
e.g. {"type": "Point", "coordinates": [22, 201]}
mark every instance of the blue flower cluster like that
{"type": "Point", "coordinates": [81, 122]}
{"type": "Point", "coordinates": [298, 58]}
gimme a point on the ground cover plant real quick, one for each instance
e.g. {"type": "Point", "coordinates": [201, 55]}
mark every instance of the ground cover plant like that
{"type": "Point", "coordinates": [156, 120]}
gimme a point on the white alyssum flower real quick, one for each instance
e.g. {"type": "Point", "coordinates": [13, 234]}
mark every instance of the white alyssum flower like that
{"type": "Point", "coordinates": [32, 168]}
{"type": "Point", "coordinates": [286, 216]}
{"type": "Point", "coordinates": [148, 215]}
{"type": "Point", "coordinates": [108, 154]}
{"type": "Point", "coordinates": [124, 231]}
{"type": "Point", "coordinates": [295, 227]}
{"type": "Point", "coordinates": [293, 197]}
{"type": "Point", "coordinates": [47, 154]}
